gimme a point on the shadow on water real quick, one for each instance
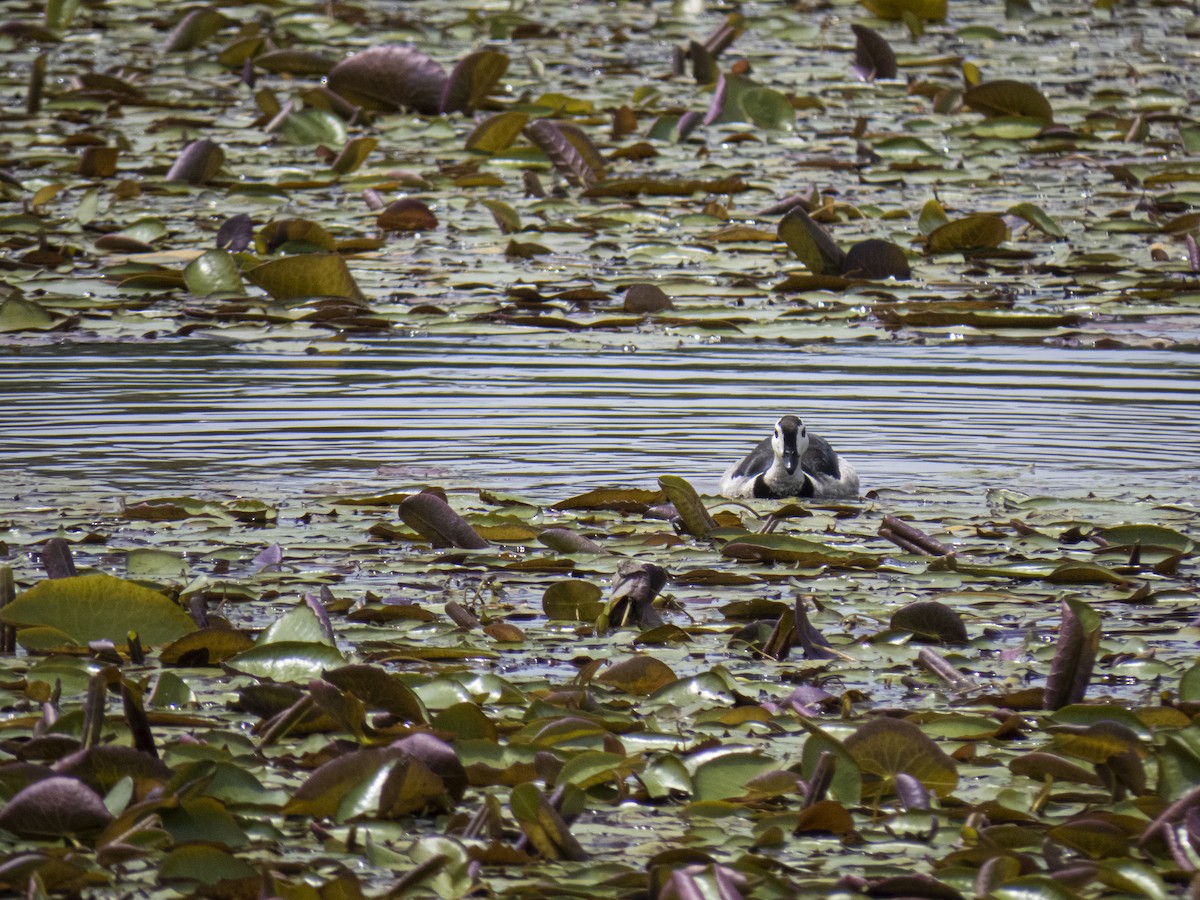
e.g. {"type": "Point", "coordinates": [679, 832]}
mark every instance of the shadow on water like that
{"type": "Point", "coordinates": [515, 414]}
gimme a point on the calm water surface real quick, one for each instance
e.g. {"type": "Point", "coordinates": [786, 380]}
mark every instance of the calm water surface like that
{"type": "Point", "coordinates": [529, 414]}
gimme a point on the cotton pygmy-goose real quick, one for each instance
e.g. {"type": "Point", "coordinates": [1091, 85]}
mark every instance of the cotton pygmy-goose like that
{"type": "Point", "coordinates": [791, 463]}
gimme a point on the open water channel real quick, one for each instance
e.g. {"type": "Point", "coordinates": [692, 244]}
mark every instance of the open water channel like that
{"type": "Point", "coordinates": [548, 417]}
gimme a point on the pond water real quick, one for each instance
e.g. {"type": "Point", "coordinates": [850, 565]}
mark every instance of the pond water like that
{"type": "Point", "coordinates": [547, 417]}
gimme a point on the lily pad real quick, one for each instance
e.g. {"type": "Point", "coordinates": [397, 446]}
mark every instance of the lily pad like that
{"type": "Point", "coordinates": [99, 607]}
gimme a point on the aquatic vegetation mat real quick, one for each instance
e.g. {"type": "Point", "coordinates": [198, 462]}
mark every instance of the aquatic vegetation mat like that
{"type": "Point", "coordinates": [900, 171]}
{"type": "Point", "coordinates": [417, 693]}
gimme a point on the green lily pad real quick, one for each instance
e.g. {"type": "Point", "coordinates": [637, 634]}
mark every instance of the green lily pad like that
{"type": "Point", "coordinates": [293, 661]}
{"type": "Point", "coordinates": [99, 607]}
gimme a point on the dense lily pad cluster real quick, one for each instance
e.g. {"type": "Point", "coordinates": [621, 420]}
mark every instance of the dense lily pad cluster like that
{"type": "Point", "coordinates": [628, 691]}
{"type": "Point", "coordinates": [275, 172]}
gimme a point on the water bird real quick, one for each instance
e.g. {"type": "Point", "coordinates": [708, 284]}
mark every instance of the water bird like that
{"type": "Point", "coordinates": [791, 463]}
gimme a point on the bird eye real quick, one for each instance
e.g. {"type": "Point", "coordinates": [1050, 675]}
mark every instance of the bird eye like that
{"type": "Point", "coordinates": [803, 432]}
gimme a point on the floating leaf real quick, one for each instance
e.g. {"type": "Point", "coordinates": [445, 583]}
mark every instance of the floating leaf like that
{"type": "Point", "coordinates": [206, 647]}
{"type": "Point", "coordinates": [932, 621]}
{"type": "Point", "coordinates": [811, 243]}
{"type": "Point", "coordinates": [884, 747]}
{"type": "Point", "coordinates": [979, 232]}
{"type": "Point", "coordinates": [692, 511]}
{"type": "Point", "coordinates": [99, 607]}
{"type": "Point", "coordinates": [790, 548]}
{"type": "Point", "coordinates": [213, 272]}
{"type": "Point", "coordinates": [497, 133]}
{"type": "Point", "coordinates": [1146, 536]}
{"type": "Point", "coordinates": [205, 864]}
{"type": "Point", "coordinates": [407, 214]}
{"type": "Point", "coordinates": [877, 259]}
{"type": "Point", "coordinates": [1074, 655]}
{"type": "Point", "coordinates": [198, 163]}
{"type": "Point", "coordinates": [287, 661]}
{"type": "Point", "coordinates": [305, 275]}
{"type": "Point", "coordinates": [620, 499]}
{"type": "Point", "coordinates": [296, 61]}
{"type": "Point", "coordinates": [637, 675]}
{"type": "Point", "coordinates": [573, 601]}
{"type": "Point", "coordinates": [899, 9]}
{"type": "Point", "coordinates": [472, 80]}
{"type": "Point", "coordinates": [569, 150]}
{"type": "Point", "coordinates": [391, 78]}
{"type": "Point", "coordinates": [433, 518]}
{"type": "Point", "coordinates": [1009, 98]}
{"type": "Point", "coordinates": [727, 775]}
{"type": "Point", "coordinates": [825, 817]}
{"type": "Point", "coordinates": [657, 187]}
{"type": "Point", "coordinates": [873, 55]}
{"type": "Point", "coordinates": [1038, 218]}
{"type": "Point", "coordinates": [54, 808]}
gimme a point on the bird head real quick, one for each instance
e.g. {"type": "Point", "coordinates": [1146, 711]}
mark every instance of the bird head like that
{"type": "Point", "coordinates": [790, 441]}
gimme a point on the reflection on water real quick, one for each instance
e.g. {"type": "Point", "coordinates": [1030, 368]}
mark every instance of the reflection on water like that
{"type": "Point", "coordinates": [526, 414]}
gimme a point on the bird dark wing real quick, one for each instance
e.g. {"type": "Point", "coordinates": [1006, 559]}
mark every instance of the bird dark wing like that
{"type": "Point", "coordinates": [819, 458]}
{"type": "Point", "coordinates": [756, 462]}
